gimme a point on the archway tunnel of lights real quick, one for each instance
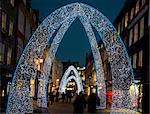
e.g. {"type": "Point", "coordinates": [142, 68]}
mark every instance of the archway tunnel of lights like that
{"type": "Point", "coordinates": [19, 100]}
{"type": "Point", "coordinates": [65, 79]}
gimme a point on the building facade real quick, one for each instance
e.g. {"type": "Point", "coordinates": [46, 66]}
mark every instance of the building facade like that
{"type": "Point", "coordinates": [90, 74]}
{"type": "Point", "coordinates": [132, 25]}
{"type": "Point", "coordinates": [17, 22]}
{"type": "Point", "coordinates": [57, 73]}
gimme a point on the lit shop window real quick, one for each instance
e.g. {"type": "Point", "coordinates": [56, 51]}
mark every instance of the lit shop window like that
{"type": "Point", "coordinates": [132, 13]}
{"type": "Point", "coordinates": [130, 37]}
{"type": "Point", "coordinates": [10, 28]}
{"type": "Point", "coordinates": [141, 27]}
{"type": "Point", "coordinates": [137, 7]}
{"type": "Point", "coordinates": [9, 53]}
{"type": "Point", "coordinates": [3, 21]}
{"type": "Point", "coordinates": [32, 88]}
{"type": "Point", "coordinates": [12, 2]}
{"type": "Point", "coordinates": [134, 60]}
{"type": "Point", "coordinates": [2, 47]}
{"type": "Point", "coordinates": [126, 19]}
{"type": "Point", "coordinates": [140, 61]}
{"type": "Point", "coordinates": [135, 32]}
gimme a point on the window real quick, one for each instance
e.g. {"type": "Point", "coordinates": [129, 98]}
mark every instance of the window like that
{"type": "Point", "coordinates": [134, 60]}
{"type": "Point", "coordinates": [9, 56]}
{"type": "Point", "coordinates": [135, 33]}
{"type": "Point", "coordinates": [12, 2]}
{"type": "Point", "coordinates": [126, 19]}
{"type": "Point", "coordinates": [132, 13]}
{"type": "Point", "coordinates": [141, 27]}
{"type": "Point", "coordinates": [130, 37]}
{"type": "Point", "coordinates": [2, 48]}
{"type": "Point", "coordinates": [20, 48]}
{"type": "Point", "coordinates": [122, 24]}
{"type": "Point", "coordinates": [24, 1]}
{"type": "Point", "coordinates": [119, 28]}
{"type": "Point", "coordinates": [21, 21]}
{"type": "Point", "coordinates": [137, 7]}
{"type": "Point", "coordinates": [3, 21]}
{"type": "Point", "coordinates": [27, 29]}
{"type": "Point", "coordinates": [140, 61]}
{"type": "Point", "coordinates": [10, 28]}
{"type": "Point", "coordinates": [143, 2]}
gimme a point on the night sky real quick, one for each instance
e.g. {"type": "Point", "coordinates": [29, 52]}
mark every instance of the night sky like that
{"type": "Point", "coordinates": [75, 45]}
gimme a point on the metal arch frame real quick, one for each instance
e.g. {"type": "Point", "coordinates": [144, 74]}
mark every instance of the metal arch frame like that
{"type": "Point", "coordinates": [65, 80]}
{"type": "Point", "coordinates": [19, 100]}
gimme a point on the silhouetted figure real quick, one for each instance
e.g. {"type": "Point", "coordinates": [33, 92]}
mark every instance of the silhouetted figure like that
{"type": "Point", "coordinates": [63, 96]}
{"type": "Point", "coordinates": [93, 100]}
{"type": "Point", "coordinates": [79, 104]}
{"type": "Point", "coordinates": [57, 95]}
{"type": "Point", "coordinates": [68, 94]}
{"type": "Point", "coordinates": [51, 96]}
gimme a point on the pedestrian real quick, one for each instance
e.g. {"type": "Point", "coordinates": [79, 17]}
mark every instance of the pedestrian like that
{"type": "Point", "coordinates": [63, 97]}
{"type": "Point", "coordinates": [79, 104]}
{"type": "Point", "coordinates": [51, 97]}
{"type": "Point", "coordinates": [93, 101]}
{"type": "Point", "coordinates": [57, 95]}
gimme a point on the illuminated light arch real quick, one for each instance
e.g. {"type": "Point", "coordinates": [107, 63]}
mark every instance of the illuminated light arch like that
{"type": "Point", "coordinates": [65, 80]}
{"type": "Point", "coordinates": [19, 100]}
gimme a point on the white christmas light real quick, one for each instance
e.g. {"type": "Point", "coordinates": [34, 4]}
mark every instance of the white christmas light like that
{"type": "Point", "coordinates": [19, 100]}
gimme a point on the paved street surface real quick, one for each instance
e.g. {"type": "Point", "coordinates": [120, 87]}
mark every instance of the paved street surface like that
{"type": "Point", "coordinates": [67, 108]}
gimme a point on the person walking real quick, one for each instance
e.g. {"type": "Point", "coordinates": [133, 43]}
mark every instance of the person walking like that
{"type": "Point", "coordinates": [79, 104]}
{"type": "Point", "coordinates": [51, 97]}
{"type": "Point", "coordinates": [57, 95]}
{"type": "Point", "coordinates": [63, 97]}
{"type": "Point", "coordinates": [93, 101]}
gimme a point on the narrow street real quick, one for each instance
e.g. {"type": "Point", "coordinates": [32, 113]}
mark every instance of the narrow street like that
{"type": "Point", "coordinates": [67, 108]}
{"type": "Point", "coordinates": [61, 108]}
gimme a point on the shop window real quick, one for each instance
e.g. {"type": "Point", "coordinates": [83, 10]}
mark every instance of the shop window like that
{"type": "Point", "coordinates": [32, 88]}
{"type": "Point", "coordinates": [2, 48]}
{"type": "Point", "coordinates": [141, 27]}
{"type": "Point", "coordinates": [12, 2]}
{"type": "Point", "coordinates": [140, 61]}
{"type": "Point", "coordinates": [134, 60]}
{"type": "Point", "coordinates": [135, 32]}
{"type": "Point", "coordinates": [10, 28]}
{"type": "Point", "coordinates": [3, 21]}
{"type": "Point", "coordinates": [137, 7]}
{"type": "Point", "coordinates": [126, 19]}
{"type": "Point", "coordinates": [132, 13]}
{"type": "Point", "coordinates": [9, 53]}
{"type": "Point", "coordinates": [130, 37]}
